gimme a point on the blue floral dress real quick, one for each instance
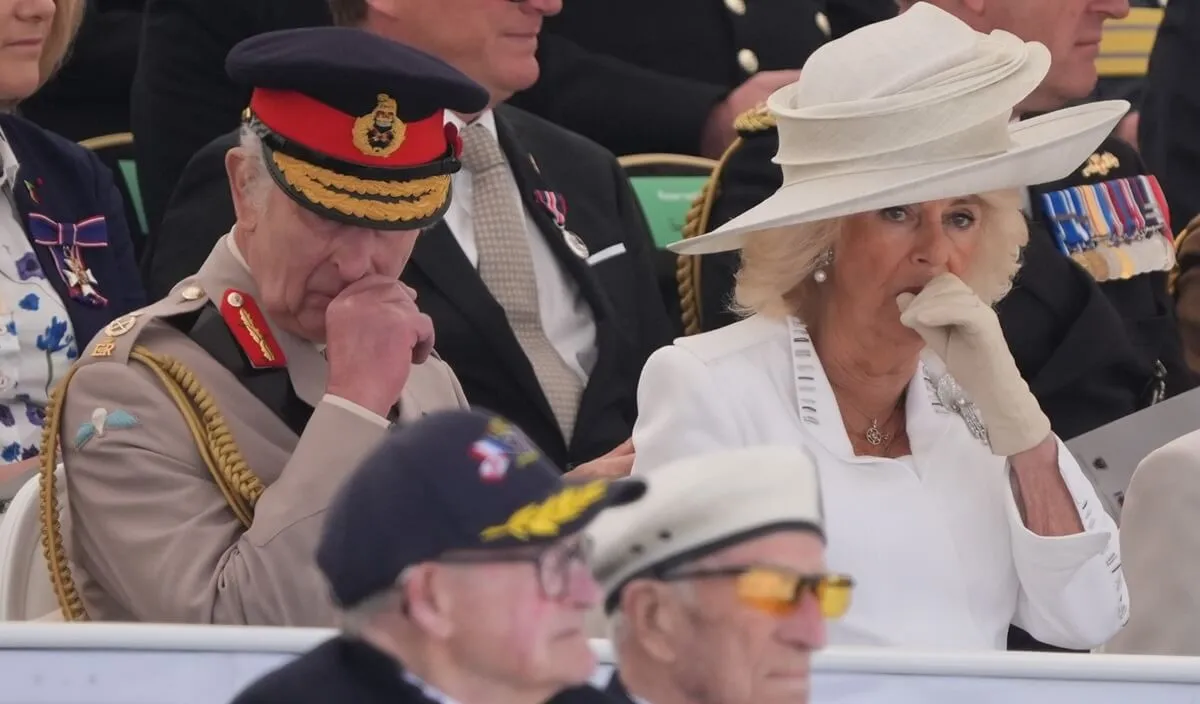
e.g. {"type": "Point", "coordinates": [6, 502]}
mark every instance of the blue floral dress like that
{"type": "Point", "coordinates": [37, 346]}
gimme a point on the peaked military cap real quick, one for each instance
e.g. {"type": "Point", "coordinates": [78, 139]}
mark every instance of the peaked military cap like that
{"type": "Point", "coordinates": [353, 124]}
{"type": "Point", "coordinates": [452, 481]}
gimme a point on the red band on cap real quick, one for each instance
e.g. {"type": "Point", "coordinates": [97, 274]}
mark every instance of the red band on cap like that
{"type": "Point", "coordinates": [331, 132]}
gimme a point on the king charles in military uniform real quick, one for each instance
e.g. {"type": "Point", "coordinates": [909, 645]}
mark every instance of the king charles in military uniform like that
{"type": "Point", "coordinates": [203, 436]}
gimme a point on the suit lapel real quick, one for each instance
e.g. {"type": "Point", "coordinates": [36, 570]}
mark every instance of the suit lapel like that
{"type": "Point", "coordinates": [529, 180]}
{"type": "Point", "coordinates": [306, 365]}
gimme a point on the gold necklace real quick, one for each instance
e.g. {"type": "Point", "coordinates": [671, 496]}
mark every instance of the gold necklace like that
{"type": "Point", "coordinates": [874, 434]}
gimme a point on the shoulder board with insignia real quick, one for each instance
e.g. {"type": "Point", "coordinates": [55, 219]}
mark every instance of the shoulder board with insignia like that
{"type": "Point", "coordinates": [756, 119]}
{"type": "Point", "coordinates": [118, 338]}
{"type": "Point", "coordinates": [250, 329]}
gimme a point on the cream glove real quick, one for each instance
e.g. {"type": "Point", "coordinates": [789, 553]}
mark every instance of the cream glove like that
{"type": "Point", "coordinates": [965, 333]}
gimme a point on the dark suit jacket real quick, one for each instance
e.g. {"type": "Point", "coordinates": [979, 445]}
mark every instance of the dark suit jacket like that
{"type": "Point", "coordinates": [1168, 137]}
{"type": "Point", "coordinates": [473, 336]}
{"type": "Point", "coordinates": [67, 184]}
{"type": "Point", "coordinates": [1087, 350]}
{"type": "Point", "coordinates": [89, 96]}
{"type": "Point", "coordinates": [182, 98]}
{"type": "Point", "coordinates": [342, 669]}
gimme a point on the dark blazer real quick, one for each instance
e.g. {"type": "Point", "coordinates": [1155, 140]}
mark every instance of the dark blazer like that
{"type": "Point", "coordinates": [89, 96]}
{"type": "Point", "coordinates": [1087, 350]}
{"type": "Point", "coordinates": [182, 99]}
{"type": "Point", "coordinates": [67, 184]}
{"type": "Point", "coordinates": [688, 52]}
{"type": "Point", "coordinates": [1167, 134]}
{"type": "Point", "coordinates": [341, 669]}
{"type": "Point", "coordinates": [473, 336]}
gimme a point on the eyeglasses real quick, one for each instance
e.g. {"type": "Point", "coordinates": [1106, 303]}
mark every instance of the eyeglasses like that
{"type": "Point", "coordinates": [553, 564]}
{"type": "Point", "coordinates": [779, 591]}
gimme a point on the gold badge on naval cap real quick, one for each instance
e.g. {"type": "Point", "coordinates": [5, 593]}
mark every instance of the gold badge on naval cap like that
{"type": "Point", "coordinates": [380, 132]}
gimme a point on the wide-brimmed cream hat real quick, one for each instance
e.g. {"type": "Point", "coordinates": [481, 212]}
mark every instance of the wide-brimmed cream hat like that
{"type": "Point", "coordinates": [913, 109]}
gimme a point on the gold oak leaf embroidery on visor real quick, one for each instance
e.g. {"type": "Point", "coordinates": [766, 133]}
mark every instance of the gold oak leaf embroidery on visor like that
{"type": "Point", "coordinates": [545, 519]}
{"type": "Point", "coordinates": [417, 199]}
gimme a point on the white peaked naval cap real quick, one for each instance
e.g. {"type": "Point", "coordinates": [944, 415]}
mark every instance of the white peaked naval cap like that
{"type": "Point", "coordinates": [698, 505]}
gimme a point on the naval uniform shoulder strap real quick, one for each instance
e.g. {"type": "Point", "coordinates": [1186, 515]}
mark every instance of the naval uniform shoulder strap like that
{"type": "Point", "coordinates": [687, 268]}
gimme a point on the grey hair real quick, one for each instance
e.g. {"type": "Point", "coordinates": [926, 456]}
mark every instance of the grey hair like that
{"type": "Point", "coordinates": [617, 626]}
{"type": "Point", "coordinates": [775, 277]}
{"type": "Point", "coordinates": [357, 618]}
{"type": "Point", "coordinates": [260, 181]}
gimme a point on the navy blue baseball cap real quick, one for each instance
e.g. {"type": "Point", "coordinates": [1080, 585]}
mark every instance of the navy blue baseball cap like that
{"type": "Point", "coordinates": [451, 481]}
{"type": "Point", "coordinates": [353, 124]}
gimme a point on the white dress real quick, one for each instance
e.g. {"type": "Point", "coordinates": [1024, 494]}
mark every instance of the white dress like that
{"type": "Point", "coordinates": [935, 542]}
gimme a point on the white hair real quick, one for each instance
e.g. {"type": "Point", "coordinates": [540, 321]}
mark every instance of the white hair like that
{"type": "Point", "coordinates": [618, 627]}
{"type": "Point", "coordinates": [251, 146]}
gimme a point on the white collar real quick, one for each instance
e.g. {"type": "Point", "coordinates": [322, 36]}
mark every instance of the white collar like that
{"type": "Point", "coordinates": [487, 118]}
{"type": "Point", "coordinates": [11, 164]}
{"type": "Point", "coordinates": [427, 689]}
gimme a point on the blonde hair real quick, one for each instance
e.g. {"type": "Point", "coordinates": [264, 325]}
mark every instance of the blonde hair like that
{"type": "Point", "coordinates": [68, 15]}
{"type": "Point", "coordinates": [776, 275]}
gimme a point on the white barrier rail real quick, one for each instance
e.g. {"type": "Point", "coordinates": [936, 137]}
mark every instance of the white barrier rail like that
{"type": "Point", "coordinates": [43, 663]}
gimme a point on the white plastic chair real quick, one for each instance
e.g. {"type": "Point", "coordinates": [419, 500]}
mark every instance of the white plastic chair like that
{"type": "Point", "coordinates": [25, 590]}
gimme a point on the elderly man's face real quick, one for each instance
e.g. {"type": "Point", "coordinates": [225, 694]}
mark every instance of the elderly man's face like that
{"type": "Point", "coordinates": [492, 41]}
{"type": "Point", "coordinates": [522, 621]}
{"type": "Point", "coordinates": [1070, 29]}
{"type": "Point", "coordinates": [300, 260]}
{"type": "Point", "coordinates": [735, 652]}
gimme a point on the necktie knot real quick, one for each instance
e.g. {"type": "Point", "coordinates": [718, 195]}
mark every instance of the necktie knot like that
{"type": "Point", "coordinates": [481, 152]}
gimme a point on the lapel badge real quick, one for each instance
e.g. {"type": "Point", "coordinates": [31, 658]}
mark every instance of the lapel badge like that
{"type": "Point", "coordinates": [250, 329]}
{"type": "Point", "coordinates": [1100, 164]}
{"type": "Point", "coordinates": [32, 190]}
{"type": "Point", "coordinates": [380, 132]}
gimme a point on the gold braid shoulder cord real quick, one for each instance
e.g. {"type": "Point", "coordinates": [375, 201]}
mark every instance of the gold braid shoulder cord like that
{"type": "Point", "coordinates": [687, 268]}
{"type": "Point", "coordinates": [213, 440]}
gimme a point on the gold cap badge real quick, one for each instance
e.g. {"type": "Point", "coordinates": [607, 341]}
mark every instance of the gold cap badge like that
{"type": "Point", "coordinates": [380, 132]}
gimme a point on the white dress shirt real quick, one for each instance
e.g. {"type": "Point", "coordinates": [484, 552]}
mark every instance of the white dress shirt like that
{"type": "Point", "coordinates": [566, 316]}
{"type": "Point", "coordinates": [37, 342]}
{"type": "Point", "coordinates": [935, 541]}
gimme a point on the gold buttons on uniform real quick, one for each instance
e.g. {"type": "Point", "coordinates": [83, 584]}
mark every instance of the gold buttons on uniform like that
{"type": "Point", "coordinates": [737, 7]}
{"type": "Point", "coordinates": [748, 60]}
{"type": "Point", "coordinates": [823, 24]}
{"type": "Point", "coordinates": [235, 299]}
{"type": "Point", "coordinates": [192, 293]}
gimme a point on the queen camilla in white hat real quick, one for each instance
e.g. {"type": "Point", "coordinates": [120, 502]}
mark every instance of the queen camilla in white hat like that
{"type": "Point", "coordinates": [867, 282]}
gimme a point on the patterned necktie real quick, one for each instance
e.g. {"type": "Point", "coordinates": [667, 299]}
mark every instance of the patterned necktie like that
{"type": "Point", "coordinates": [506, 267]}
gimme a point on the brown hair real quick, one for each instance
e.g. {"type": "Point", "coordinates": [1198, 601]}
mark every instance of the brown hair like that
{"type": "Point", "coordinates": [348, 13]}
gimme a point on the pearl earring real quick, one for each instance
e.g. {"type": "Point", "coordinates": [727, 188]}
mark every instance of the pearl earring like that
{"type": "Point", "coordinates": [823, 261]}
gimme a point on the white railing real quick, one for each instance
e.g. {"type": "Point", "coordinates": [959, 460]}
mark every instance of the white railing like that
{"type": "Point", "coordinates": [42, 663]}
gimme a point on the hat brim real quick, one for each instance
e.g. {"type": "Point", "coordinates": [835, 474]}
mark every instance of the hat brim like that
{"type": "Point", "coordinates": [1044, 149]}
{"type": "Point", "coordinates": [378, 204]}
